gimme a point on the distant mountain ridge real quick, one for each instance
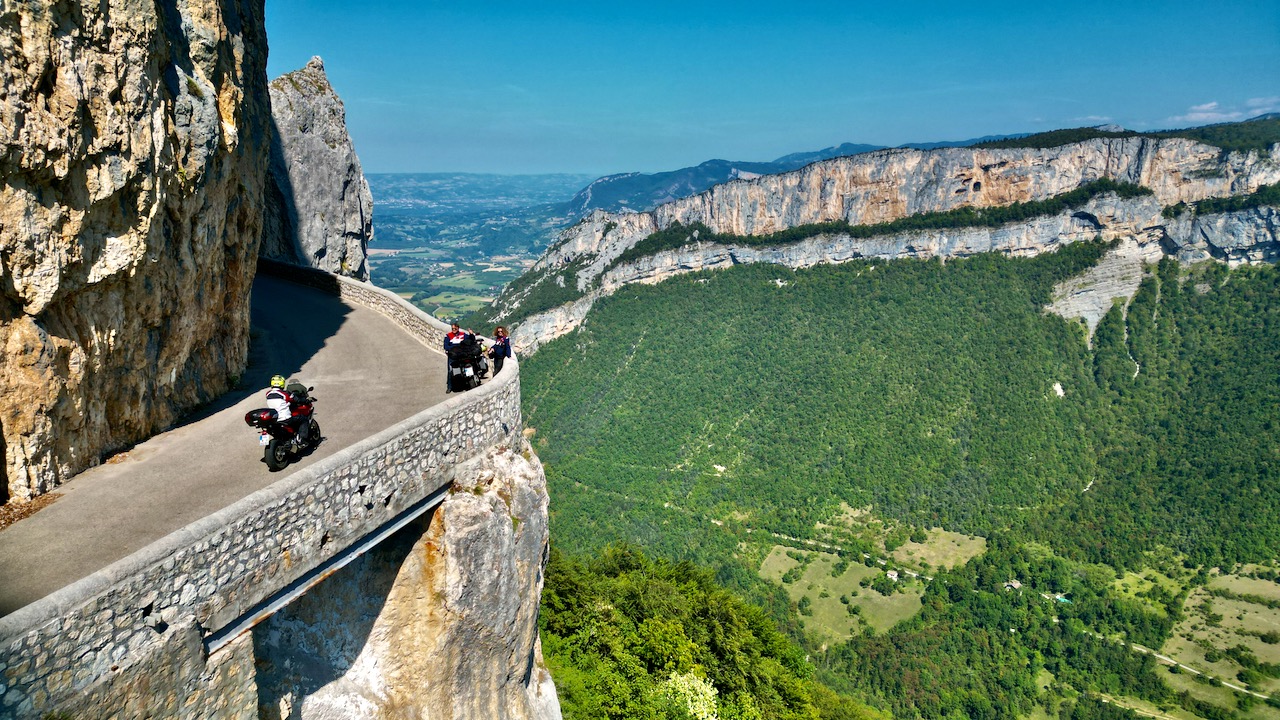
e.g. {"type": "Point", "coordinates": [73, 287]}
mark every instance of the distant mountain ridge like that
{"type": "Point", "coordinates": [645, 191]}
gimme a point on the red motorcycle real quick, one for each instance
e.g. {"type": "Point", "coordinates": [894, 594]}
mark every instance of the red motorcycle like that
{"type": "Point", "coordinates": [280, 440]}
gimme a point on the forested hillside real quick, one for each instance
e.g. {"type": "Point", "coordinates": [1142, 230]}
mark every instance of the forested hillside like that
{"type": "Point", "coordinates": [913, 386]}
{"type": "Point", "coordinates": [715, 414]}
{"type": "Point", "coordinates": [767, 396]}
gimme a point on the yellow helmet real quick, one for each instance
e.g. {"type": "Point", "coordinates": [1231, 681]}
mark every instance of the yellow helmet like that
{"type": "Point", "coordinates": [277, 381]}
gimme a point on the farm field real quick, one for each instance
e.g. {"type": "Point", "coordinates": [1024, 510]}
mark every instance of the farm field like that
{"type": "Point", "coordinates": [942, 549]}
{"type": "Point", "coordinates": [451, 241]}
{"type": "Point", "coordinates": [446, 289]}
{"type": "Point", "coordinates": [839, 606]}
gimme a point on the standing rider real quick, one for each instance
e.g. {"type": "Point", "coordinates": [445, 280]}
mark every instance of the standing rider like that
{"type": "Point", "coordinates": [281, 400]}
{"type": "Point", "coordinates": [501, 349]}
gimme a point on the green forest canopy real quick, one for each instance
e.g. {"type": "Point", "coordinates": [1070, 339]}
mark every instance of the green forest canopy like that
{"type": "Point", "coordinates": [923, 390]}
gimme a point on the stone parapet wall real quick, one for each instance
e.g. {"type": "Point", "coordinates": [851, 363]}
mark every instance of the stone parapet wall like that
{"type": "Point", "coordinates": [129, 619]}
{"type": "Point", "coordinates": [425, 328]}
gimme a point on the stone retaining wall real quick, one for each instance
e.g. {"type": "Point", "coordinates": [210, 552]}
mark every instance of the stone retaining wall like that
{"type": "Point", "coordinates": [106, 633]}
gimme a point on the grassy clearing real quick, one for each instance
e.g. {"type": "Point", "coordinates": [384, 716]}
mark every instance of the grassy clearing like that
{"type": "Point", "coordinates": [1221, 696]}
{"type": "Point", "coordinates": [1135, 586]}
{"type": "Point", "coordinates": [1147, 709]}
{"type": "Point", "coordinates": [1038, 713]}
{"type": "Point", "coordinates": [777, 563]}
{"type": "Point", "coordinates": [1211, 625]}
{"type": "Point", "coordinates": [819, 577]}
{"type": "Point", "coordinates": [882, 613]}
{"type": "Point", "coordinates": [942, 549]}
{"type": "Point", "coordinates": [1044, 679]}
{"type": "Point", "coordinates": [1268, 589]}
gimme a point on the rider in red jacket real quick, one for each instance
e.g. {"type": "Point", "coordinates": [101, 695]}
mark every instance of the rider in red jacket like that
{"type": "Point", "coordinates": [457, 340]}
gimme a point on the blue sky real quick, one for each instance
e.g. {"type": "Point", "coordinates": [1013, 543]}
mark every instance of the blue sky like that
{"type": "Point", "coordinates": [600, 87]}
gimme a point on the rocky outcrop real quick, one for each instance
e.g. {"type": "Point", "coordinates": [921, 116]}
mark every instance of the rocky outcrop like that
{"type": "Point", "coordinates": [1243, 237]}
{"type": "Point", "coordinates": [1116, 277]}
{"type": "Point", "coordinates": [133, 142]}
{"type": "Point", "coordinates": [1246, 236]}
{"type": "Point", "coordinates": [887, 185]}
{"type": "Point", "coordinates": [321, 210]}
{"type": "Point", "coordinates": [544, 327]}
{"type": "Point", "coordinates": [440, 622]}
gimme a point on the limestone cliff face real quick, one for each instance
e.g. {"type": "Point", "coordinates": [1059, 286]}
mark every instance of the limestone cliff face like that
{"type": "Point", "coordinates": [544, 327]}
{"type": "Point", "coordinates": [321, 211]}
{"type": "Point", "coordinates": [133, 142]}
{"type": "Point", "coordinates": [1106, 217]}
{"type": "Point", "coordinates": [439, 622]}
{"type": "Point", "coordinates": [887, 185]}
{"type": "Point", "coordinates": [1142, 233]}
{"type": "Point", "coordinates": [882, 186]}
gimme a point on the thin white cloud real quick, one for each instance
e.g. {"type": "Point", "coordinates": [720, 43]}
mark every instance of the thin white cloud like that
{"type": "Point", "coordinates": [1263, 104]}
{"type": "Point", "coordinates": [1214, 112]}
{"type": "Point", "coordinates": [1209, 117]}
{"type": "Point", "coordinates": [1093, 119]}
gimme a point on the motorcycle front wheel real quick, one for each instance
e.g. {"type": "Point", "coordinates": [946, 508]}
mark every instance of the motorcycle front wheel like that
{"type": "Point", "coordinates": [276, 455]}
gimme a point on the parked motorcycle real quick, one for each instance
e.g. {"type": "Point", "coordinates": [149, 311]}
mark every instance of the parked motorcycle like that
{"type": "Point", "coordinates": [280, 441]}
{"type": "Point", "coordinates": [466, 366]}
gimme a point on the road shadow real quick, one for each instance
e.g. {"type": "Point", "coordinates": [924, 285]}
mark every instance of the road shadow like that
{"type": "Point", "coordinates": [316, 639]}
{"type": "Point", "coordinates": [289, 324]}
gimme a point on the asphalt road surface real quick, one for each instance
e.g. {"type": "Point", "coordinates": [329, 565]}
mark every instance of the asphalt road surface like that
{"type": "Point", "coordinates": [368, 375]}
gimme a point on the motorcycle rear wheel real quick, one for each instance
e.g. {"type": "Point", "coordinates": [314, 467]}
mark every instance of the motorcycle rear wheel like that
{"type": "Point", "coordinates": [276, 455]}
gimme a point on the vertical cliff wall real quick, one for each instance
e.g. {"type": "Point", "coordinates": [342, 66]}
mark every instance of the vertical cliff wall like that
{"type": "Point", "coordinates": [883, 186]}
{"type": "Point", "coordinates": [439, 622]}
{"type": "Point", "coordinates": [887, 185]}
{"type": "Point", "coordinates": [1137, 224]}
{"type": "Point", "coordinates": [133, 142]}
{"type": "Point", "coordinates": [320, 210]}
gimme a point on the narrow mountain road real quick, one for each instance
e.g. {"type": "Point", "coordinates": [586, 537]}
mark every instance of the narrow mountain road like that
{"type": "Point", "coordinates": [368, 375]}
